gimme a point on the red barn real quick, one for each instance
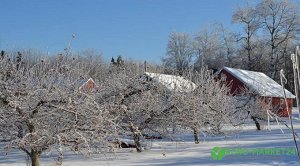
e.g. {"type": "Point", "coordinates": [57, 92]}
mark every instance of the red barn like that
{"type": "Point", "coordinates": [269, 91]}
{"type": "Point", "coordinates": [88, 85]}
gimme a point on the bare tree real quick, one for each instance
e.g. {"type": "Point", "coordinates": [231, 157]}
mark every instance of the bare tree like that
{"type": "Point", "coordinates": [140, 103]}
{"type": "Point", "coordinates": [248, 17]}
{"type": "Point", "coordinates": [212, 109]}
{"type": "Point", "coordinates": [208, 48]}
{"type": "Point", "coordinates": [179, 52]}
{"type": "Point", "coordinates": [91, 62]}
{"type": "Point", "coordinates": [229, 46]}
{"type": "Point", "coordinates": [249, 106]}
{"type": "Point", "coordinates": [43, 109]}
{"type": "Point", "coordinates": [215, 47]}
{"type": "Point", "coordinates": [280, 20]}
{"type": "Point", "coordinates": [208, 108]}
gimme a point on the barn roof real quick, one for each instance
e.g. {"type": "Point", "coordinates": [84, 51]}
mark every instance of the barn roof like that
{"type": "Point", "coordinates": [259, 83]}
{"type": "Point", "coordinates": [172, 82]}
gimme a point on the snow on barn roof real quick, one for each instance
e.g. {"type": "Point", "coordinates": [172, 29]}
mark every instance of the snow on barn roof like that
{"type": "Point", "coordinates": [173, 82]}
{"type": "Point", "coordinates": [259, 82]}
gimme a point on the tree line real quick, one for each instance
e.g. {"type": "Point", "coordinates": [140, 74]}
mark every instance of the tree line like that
{"type": "Point", "coordinates": [268, 36]}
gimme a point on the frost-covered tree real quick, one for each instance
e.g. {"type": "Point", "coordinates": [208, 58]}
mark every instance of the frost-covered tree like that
{"type": "Point", "coordinates": [211, 108]}
{"type": "Point", "coordinates": [207, 108]}
{"type": "Point", "coordinates": [208, 48]}
{"type": "Point", "coordinates": [280, 21]}
{"type": "Point", "coordinates": [248, 17]}
{"type": "Point", "coordinates": [179, 52]}
{"type": "Point", "coordinates": [139, 103]}
{"type": "Point", "coordinates": [42, 109]}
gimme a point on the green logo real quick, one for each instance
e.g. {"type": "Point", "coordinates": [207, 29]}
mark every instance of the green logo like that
{"type": "Point", "coordinates": [218, 153]}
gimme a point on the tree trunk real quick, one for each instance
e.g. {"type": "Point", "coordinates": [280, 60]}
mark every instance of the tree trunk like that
{"type": "Point", "coordinates": [196, 133]}
{"type": "Point", "coordinates": [35, 158]}
{"type": "Point", "coordinates": [256, 123]}
{"type": "Point", "coordinates": [136, 137]}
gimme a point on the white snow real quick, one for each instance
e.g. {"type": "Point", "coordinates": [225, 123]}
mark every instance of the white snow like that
{"type": "Point", "coordinates": [259, 82]}
{"type": "Point", "coordinates": [173, 82]}
{"type": "Point", "coordinates": [184, 151]}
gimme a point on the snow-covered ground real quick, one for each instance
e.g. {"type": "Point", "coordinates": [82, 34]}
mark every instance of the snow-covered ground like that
{"type": "Point", "coordinates": [185, 152]}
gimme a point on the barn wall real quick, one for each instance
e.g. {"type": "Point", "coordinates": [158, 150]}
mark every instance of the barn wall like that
{"type": "Point", "coordinates": [284, 111]}
{"type": "Point", "coordinates": [236, 85]}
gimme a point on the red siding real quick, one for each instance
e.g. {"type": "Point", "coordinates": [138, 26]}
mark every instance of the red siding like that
{"type": "Point", "coordinates": [88, 86]}
{"type": "Point", "coordinates": [281, 111]}
{"type": "Point", "coordinates": [235, 84]}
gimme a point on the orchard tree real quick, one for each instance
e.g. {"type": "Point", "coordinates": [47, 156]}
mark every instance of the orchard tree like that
{"type": "Point", "coordinates": [139, 104]}
{"type": "Point", "coordinates": [208, 107]}
{"type": "Point", "coordinates": [42, 109]}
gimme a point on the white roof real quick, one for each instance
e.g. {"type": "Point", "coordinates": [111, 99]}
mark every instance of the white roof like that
{"type": "Point", "coordinates": [176, 83]}
{"type": "Point", "coordinates": [259, 83]}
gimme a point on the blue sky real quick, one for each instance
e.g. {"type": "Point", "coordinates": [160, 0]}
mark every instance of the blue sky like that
{"type": "Point", "coordinates": [136, 29]}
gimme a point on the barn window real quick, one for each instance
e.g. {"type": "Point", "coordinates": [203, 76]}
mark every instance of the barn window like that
{"type": "Point", "coordinates": [281, 103]}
